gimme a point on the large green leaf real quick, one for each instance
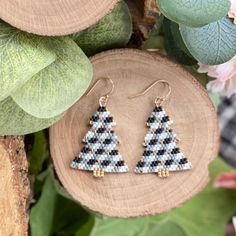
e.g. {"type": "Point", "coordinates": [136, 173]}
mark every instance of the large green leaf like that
{"type": "Point", "coordinates": [15, 121]}
{"type": "Point", "coordinates": [202, 215]}
{"type": "Point", "coordinates": [54, 214]}
{"type": "Point", "coordinates": [22, 55]}
{"type": "Point", "coordinates": [194, 13]}
{"type": "Point", "coordinates": [117, 227]}
{"type": "Point", "coordinates": [212, 44]}
{"type": "Point", "coordinates": [165, 228]}
{"type": "Point", "coordinates": [113, 31]}
{"type": "Point", "coordinates": [57, 87]}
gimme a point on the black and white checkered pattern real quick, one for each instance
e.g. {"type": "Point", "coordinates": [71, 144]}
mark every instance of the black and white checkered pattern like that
{"type": "Point", "coordinates": [160, 146]}
{"type": "Point", "coordinates": [227, 123]}
{"type": "Point", "coordinates": [100, 149]}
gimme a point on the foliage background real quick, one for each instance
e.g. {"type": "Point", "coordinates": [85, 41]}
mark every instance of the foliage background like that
{"type": "Point", "coordinates": [188, 31]}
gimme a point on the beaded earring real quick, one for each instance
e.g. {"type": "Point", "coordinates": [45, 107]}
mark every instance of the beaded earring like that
{"type": "Point", "coordinates": [161, 152]}
{"type": "Point", "coordinates": [100, 153]}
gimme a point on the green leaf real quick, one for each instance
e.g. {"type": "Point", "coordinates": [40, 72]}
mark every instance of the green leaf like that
{"type": "Point", "coordinates": [113, 31]}
{"type": "Point", "coordinates": [174, 44]}
{"type": "Point", "coordinates": [204, 212]}
{"type": "Point", "coordinates": [22, 55]}
{"type": "Point", "coordinates": [55, 215]}
{"type": "Point", "coordinates": [57, 87]}
{"type": "Point", "coordinates": [39, 153]}
{"type": "Point", "coordinates": [86, 229]}
{"type": "Point", "coordinates": [15, 121]}
{"type": "Point", "coordinates": [212, 44]}
{"type": "Point", "coordinates": [116, 227]}
{"type": "Point", "coordinates": [201, 215]}
{"type": "Point", "coordinates": [194, 13]}
{"type": "Point", "coordinates": [166, 228]}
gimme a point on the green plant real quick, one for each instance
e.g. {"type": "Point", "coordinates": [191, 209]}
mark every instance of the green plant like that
{"type": "Point", "coordinates": [41, 77]}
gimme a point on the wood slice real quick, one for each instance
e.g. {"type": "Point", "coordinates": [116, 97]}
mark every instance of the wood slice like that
{"type": "Point", "coordinates": [14, 187]}
{"type": "Point", "coordinates": [195, 122]}
{"type": "Point", "coordinates": [54, 17]}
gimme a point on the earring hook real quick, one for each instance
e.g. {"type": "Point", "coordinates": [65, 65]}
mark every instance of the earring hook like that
{"type": "Point", "coordinates": [104, 98]}
{"type": "Point", "coordinates": [159, 100]}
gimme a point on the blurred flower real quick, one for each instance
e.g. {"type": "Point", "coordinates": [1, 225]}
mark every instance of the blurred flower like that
{"type": "Point", "coordinates": [226, 180]}
{"type": "Point", "coordinates": [232, 12]}
{"type": "Point", "coordinates": [225, 75]}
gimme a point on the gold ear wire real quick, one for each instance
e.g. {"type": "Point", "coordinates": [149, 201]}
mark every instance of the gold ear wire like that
{"type": "Point", "coordinates": [104, 98]}
{"type": "Point", "coordinates": [160, 99]}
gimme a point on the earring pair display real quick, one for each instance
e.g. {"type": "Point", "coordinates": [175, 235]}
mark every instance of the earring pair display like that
{"type": "Point", "coordinates": [161, 152]}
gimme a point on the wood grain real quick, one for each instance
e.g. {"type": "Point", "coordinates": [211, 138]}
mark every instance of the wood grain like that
{"type": "Point", "coordinates": [54, 17]}
{"type": "Point", "coordinates": [14, 187]}
{"type": "Point", "coordinates": [195, 122]}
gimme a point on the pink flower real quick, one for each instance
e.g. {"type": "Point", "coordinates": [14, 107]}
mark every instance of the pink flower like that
{"type": "Point", "coordinates": [225, 75]}
{"type": "Point", "coordinates": [232, 12]}
{"type": "Point", "coordinates": [226, 180]}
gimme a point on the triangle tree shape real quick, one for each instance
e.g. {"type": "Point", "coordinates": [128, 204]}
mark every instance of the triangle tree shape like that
{"type": "Point", "coordinates": [161, 153]}
{"type": "Point", "coordinates": [100, 153]}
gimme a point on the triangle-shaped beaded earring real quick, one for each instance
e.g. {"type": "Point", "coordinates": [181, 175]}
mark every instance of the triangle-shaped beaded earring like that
{"type": "Point", "coordinates": [161, 152]}
{"type": "Point", "coordinates": [100, 153]}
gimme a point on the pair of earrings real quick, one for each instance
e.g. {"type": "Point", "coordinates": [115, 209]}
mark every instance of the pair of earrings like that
{"type": "Point", "coordinates": [161, 153]}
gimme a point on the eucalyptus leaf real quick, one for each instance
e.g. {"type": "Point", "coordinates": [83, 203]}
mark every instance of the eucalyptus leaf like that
{"type": "Point", "coordinates": [194, 13]}
{"type": "Point", "coordinates": [212, 44]}
{"type": "Point", "coordinates": [57, 87]}
{"type": "Point", "coordinates": [113, 31]}
{"type": "Point", "coordinates": [15, 121]}
{"type": "Point", "coordinates": [22, 55]}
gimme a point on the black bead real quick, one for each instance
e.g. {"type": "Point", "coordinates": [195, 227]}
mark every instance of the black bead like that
{"type": "Point", "coordinates": [153, 142]}
{"type": "Point", "coordinates": [168, 162]}
{"type": "Point", "coordinates": [158, 109]}
{"type": "Point", "coordinates": [113, 152]}
{"type": "Point", "coordinates": [175, 151]}
{"type": "Point", "coordinates": [102, 109]}
{"type": "Point", "coordinates": [158, 131]}
{"type": "Point", "coordinates": [155, 163]}
{"type": "Point", "coordinates": [151, 119]}
{"type": "Point", "coordinates": [160, 152]}
{"type": "Point", "coordinates": [91, 162]}
{"type": "Point", "coordinates": [85, 150]}
{"type": "Point", "coordinates": [94, 118]}
{"type": "Point", "coordinates": [120, 163]}
{"type": "Point", "coordinates": [77, 160]}
{"type": "Point", "coordinates": [147, 153]}
{"type": "Point", "coordinates": [141, 164]}
{"type": "Point", "coordinates": [165, 119]}
{"type": "Point", "coordinates": [167, 141]}
{"type": "Point", "coordinates": [108, 119]}
{"type": "Point", "coordinates": [107, 141]}
{"type": "Point", "coordinates": [92, 140]}
{"type": "Point", "coordinates": [99, 151]}
{"type": "Point", "coordinates": [101, 130]}
{"type": "Point", "coordinates": [105, 163]}
{"type": "Point", "coordinates": [183, 161]}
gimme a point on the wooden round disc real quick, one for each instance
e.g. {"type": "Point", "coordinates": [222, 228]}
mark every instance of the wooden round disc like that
{"type": "Point", "coordinates": [195, 122]}
{"type": "Point", "coordinates": [54, 17]}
